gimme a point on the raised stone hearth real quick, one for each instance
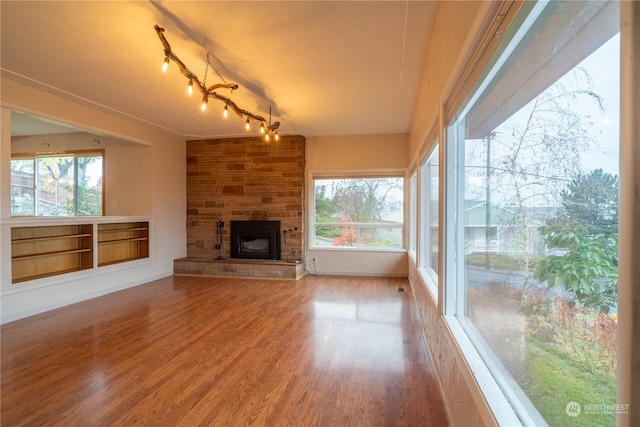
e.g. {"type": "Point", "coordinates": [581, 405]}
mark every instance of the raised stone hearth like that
{"type": "Point", "coordinates": [238, 268]}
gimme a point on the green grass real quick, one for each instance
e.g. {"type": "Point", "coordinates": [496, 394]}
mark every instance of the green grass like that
{"type": "Point", "coordinates": [553, 380]}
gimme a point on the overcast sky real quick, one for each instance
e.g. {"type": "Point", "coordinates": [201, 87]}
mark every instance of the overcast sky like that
{"type": "Point", "coordinates": [604, 67]}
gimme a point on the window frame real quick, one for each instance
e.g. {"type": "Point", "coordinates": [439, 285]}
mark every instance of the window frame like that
{"type": "Point", "coordinates": [509, 404]}
{"type": "Point", "coordinates": [34, 156]}
{"type": "Point", "coordinates": [395, 173]}
{"type": "Point", "coordinates": [412, 230]}
{"type": "Point", "coordinates": [428, 274]}
{"type": "Point", "coordinates": [506, 406]}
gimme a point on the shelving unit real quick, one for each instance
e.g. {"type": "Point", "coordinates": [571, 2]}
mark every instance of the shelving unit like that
{"type": "Point", "coordinates": [44, 251]}
{"type": "Point", "coordinates": [122, 242]}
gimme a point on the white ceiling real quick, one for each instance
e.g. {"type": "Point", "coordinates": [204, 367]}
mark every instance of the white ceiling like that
{"type": "Point", "coordinates": [323, 67]}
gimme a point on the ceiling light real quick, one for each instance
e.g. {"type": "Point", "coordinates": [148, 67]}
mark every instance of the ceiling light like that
{"type": "Point", "coordinates": [210, 92]}
{"type": "Point", "coordinates": [205, 100]}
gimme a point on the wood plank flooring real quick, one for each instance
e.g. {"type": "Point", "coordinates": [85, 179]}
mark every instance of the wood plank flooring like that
{"type": "Point", "coordinates": [183, 351]}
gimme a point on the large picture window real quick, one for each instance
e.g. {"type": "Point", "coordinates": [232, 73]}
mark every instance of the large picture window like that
{"type": "Point", "coordinates": [534, 202]}
{"type": "Point", "coordinates": [358, 212]}
{"type": "Point", "coordinates": [429, 195]}
{"type": "Point", "coordinates": [60, 184]}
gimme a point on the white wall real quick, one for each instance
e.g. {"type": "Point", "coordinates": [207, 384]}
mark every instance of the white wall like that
{"type": "Point", "coordinates": [362, 153]}
{"type": "Point", "coordinates": [166, 206]}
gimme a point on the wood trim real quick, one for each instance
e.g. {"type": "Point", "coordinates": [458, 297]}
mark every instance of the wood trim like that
{"type": "Point", "coordinates": [32, 154]}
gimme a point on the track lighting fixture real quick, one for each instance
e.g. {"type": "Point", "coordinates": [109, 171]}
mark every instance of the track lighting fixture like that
{"type": "Point", "coordinates": [266, 129]}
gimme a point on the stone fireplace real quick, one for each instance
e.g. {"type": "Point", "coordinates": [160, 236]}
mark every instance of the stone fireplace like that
{"type": "Point", "coordinates": [242, 179]}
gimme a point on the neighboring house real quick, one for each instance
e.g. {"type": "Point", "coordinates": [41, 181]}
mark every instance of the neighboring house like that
{"type": "Point", "coordinates": [505, 231]}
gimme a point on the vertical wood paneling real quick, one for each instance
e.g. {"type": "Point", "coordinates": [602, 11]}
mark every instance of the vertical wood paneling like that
{"type": "Point", "coordinates": [461, 406]}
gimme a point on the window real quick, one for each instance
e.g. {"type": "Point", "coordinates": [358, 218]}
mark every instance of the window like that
{"type": "Point", "coordinates": [61, 184]}
{"type": "Point", "coordinates": [429, 214]}
{"type": "Point", "coordinates": [358, 212]}
{"type": "Point", "coordinates": [413, 200]}
{"type": "Point", "coordinates": [533, 203]}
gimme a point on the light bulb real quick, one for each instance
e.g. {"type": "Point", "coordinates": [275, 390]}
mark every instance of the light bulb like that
{"type": "Point", "coordinates": [205, 99]}
{"type": "Point", "coordinates": [262, 128]}
{"type": "Point", "coordinates": [190, 88]}
{"type": "Point", "coordinates": [224, 113]}
{"type": "Point", "coordinates": [247, 125]}
{"type": "Point", "coordinates": [165, 64]}
{"type": "Point", "coordinates": [266, 137]}
{"type": "Point", "coordinates": [277, 136]}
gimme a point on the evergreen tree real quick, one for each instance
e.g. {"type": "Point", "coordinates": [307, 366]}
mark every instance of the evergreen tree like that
{"type": "Point", "coordinates": [591, 200]}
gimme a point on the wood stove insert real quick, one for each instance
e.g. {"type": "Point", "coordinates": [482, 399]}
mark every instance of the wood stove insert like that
{"type": "Point", "coordinates": [255, 240]}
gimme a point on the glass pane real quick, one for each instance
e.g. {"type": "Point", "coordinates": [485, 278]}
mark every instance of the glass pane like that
{"type": "Point", "coordinates": [430, 209]}
{"type": "Point", "coordinates": [358, 236]}
{"type": "Point", "coordinates": [358, 212]}
{"type": "Point", "coordinates": [538, 206]}
{"type": "Point", "coordinates": [380, 237]}
{"type": "Point", "coordinates": [413, 232]}
{"type": "Point", "coordinates": [55, 186]}
{"type": "Point", "coordinates": [364, 200]}
{"type": "Point", "coordinates": [89, 200]}
{"type": "Point", "coordinates": [22, 187]}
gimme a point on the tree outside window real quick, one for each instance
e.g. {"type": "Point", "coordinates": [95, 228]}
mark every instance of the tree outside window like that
{"type": "Point", "coordinates": [536, 233]}
{"type": "Point", "coordinates": [358, 212]}
{"type": "Point", "coordinates": [67, 184]}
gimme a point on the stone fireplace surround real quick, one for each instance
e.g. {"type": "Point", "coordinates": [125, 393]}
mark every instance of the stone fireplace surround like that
{"type": "Point", "coordinates": [243, 179]}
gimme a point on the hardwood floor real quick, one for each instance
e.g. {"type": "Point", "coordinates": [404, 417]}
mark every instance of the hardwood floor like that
{"type": "Point", "coordinates": [321, 351]}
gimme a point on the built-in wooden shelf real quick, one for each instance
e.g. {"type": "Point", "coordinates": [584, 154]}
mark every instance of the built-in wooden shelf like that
{"type": "Point", "coordinates": [39, 251]}
{"type": "Point", "coordinates": [44, 251]}
{"type": "Point", "coordinates": [122, 242]}
{"type": "Point", "coordinates": [48, 254]}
